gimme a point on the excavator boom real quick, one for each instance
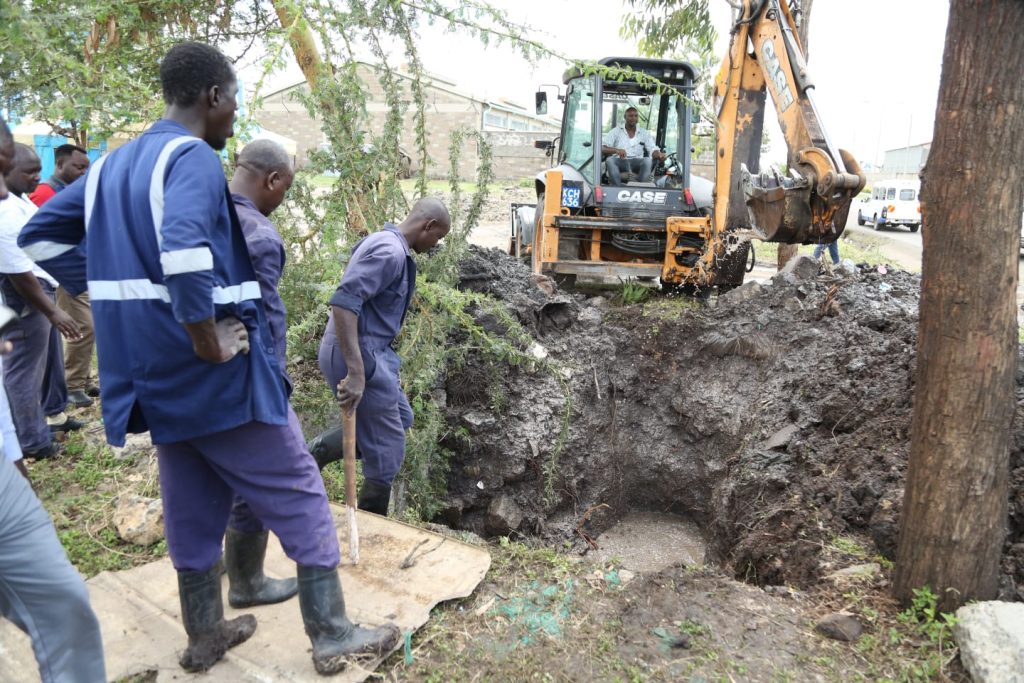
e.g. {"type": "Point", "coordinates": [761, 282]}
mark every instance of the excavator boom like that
{"type": "Point", "coordinates": [808, 204]}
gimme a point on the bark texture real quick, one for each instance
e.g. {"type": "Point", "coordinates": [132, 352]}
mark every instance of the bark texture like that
{"type": "Point", "coordinates": [955, 505]}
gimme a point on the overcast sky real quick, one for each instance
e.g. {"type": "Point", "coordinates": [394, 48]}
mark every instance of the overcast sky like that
{"type": "Point", "coordinates": [875, 63]}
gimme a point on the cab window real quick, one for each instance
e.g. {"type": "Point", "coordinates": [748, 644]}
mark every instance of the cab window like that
{"type": "Point", "coordinates": [891, 194]}
{"type": "Point", "coordinates": [577, 149]}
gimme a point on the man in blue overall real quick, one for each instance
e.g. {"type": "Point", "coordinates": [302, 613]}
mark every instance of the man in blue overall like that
{"type": "Point", "coordinates": [185, 352]}
{"type": "Point", "coordinates": [262, 177]}
{"type": "Point", "coordinates": [367, 311]}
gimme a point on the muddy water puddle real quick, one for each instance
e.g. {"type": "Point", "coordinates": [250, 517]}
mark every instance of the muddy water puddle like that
{"type": "Point", "coordinates": [647, 542]}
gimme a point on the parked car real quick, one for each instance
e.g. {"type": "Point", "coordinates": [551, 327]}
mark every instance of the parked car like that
{"type": "Point", "coordinates": [891, 202]}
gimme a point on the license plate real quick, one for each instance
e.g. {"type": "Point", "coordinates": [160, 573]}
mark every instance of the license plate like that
{"type": "Point", "coordinates": [572, 194]}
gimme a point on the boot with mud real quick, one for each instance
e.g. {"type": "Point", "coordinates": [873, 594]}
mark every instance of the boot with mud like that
{"type": "Point", "coordinates": [243, 557]}
{"type": "Point", "coordinates": [335, 638]}
{"type": "Point", "coordinates": [327, 447]}
{"type": "Point", "coordinates": [202, 613]}
{"type": "Point", "coordinates": [374, 497]}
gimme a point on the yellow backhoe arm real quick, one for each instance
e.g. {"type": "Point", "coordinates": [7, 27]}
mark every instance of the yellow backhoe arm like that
{"type": "Point", "coordinates": [810, 203]}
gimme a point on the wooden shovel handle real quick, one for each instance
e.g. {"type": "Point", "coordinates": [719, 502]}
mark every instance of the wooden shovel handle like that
{"type": "Point", "coordinates": [348, 428]}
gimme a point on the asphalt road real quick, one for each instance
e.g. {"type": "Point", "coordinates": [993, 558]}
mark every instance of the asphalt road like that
{"type": "Point", "coordinates": [897, 244]}
{"type": "Point", "coordinates": [904, 248]}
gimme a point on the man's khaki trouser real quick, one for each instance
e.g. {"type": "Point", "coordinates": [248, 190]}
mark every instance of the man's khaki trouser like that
{"type": "Point", "coordinates": [77, 354]}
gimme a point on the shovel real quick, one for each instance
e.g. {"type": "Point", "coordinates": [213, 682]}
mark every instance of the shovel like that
{"type": "Point", "coordinates": [348, 427]}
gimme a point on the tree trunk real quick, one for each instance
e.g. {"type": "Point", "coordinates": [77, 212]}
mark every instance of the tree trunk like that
{"type": "Point", "coordinates": [955, 506]}
{"type": "Point", "coordinates": [303, 44]}
{"type": "Point", "coordinates": [788, 251]}
{"type": "Point", "coordinates": [300, 38]}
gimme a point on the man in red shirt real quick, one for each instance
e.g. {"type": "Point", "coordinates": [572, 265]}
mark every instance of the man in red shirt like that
{"type": "Point", "coordinates": [71, 164]}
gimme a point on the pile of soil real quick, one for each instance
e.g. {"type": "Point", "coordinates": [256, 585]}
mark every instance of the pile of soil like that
{"type": "Point", "coordinates": [775, 416]}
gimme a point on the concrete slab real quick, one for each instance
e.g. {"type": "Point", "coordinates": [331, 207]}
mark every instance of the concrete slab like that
{"type": "Point", "coordinates": [402, 573]}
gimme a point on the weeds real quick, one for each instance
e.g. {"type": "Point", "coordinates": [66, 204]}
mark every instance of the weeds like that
{"type": "Point", "coordinates": [79, 491]}
{"type": "Point", "coordinates": [634, 292]}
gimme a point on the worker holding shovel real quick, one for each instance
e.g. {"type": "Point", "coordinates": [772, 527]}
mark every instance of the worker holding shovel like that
{"type": "Point", "coordinates": [367, 311]}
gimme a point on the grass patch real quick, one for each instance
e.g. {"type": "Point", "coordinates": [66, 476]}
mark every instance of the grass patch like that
{"type": "Point", "coordinates": [857, 248]}
{"type": "Point", "coordinates": [670, 307]}
{"type": "Point", "coordinates": [78, 489]}
{"type": "Point", "coordinates": [912, 645]}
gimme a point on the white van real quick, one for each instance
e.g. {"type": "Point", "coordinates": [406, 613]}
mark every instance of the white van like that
{"type": "Point", "coordinates": [892, 202]}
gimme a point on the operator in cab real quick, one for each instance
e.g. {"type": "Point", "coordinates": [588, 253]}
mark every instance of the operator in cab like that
{"type": "Point", "coordinates": [632, 149]}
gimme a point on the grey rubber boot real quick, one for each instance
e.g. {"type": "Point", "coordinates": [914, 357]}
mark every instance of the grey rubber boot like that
{"type": "Point", "coordinates": [327, 447]}
{"type": "Point", "coordinates": [202, 613]}
{"type": "Point", "coordinates": [334, 637]}
{"type": "Point", "coordinates": [374, 498]}
{"type": "Point", "coordinates": [243, 557]}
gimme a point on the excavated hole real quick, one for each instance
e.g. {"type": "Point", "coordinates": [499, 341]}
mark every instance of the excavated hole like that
{"type": "Point", "coordinates": [764, 424]}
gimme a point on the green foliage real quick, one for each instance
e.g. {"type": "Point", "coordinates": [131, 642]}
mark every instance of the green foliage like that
{"type": "Point", "coordinates": [924, 615]}
{"type": "Point", "coordinates": [634, 292]}
{"type": "Point", "coordinates": [88, 68]}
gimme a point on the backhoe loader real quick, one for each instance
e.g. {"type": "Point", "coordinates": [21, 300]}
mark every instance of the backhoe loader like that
{"type": "Point", "coordinates": [676, 226]}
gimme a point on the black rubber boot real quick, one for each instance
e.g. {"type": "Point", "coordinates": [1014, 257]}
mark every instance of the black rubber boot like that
{"type": "Point", "coordinates": [327, 447]}
{"type": "Point", "coordinates": [243, 557]}
{"type": "Point", "coordinates": [202, 613]}
{"type": "Point", "coordinates": [334, 637]}
{"type": "Point", "coordinates": [374, 498]}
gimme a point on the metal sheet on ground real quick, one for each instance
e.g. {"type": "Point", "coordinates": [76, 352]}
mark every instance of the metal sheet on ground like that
{"type": "Point", "coordinates": [403, 572]}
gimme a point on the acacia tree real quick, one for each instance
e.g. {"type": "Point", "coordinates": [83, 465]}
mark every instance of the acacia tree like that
{"type": "Point", "coordinates": [954, 516]}
{"type": "Point", "coordinates": [88, 68]}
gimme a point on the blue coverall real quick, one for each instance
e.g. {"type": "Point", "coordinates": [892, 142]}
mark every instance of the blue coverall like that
{"type": "Point", "coordinates": [377, 286]}
{"type": "Point", "coordinates": [165, 249]}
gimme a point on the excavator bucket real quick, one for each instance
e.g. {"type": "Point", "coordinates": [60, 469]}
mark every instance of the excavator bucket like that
{"type": "Point", "coordinates": [779, 207]}
{"type": "Point", "coordinates": [806, 207]}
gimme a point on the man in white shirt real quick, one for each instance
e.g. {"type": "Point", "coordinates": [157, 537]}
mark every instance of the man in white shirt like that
{"type": "Point", "coordinates": [632, 149]}
{"type": "Point", "coordinates": [29, 290]}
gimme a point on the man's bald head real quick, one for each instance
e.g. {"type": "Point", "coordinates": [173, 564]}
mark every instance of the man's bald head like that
{"type": "Point", "coordinates": [23, 153]}
{"type": "Point", "coordinates": [23, 175]}
{"type": "Point", "coordinates": [264, 174]}
{"type": "Point", "coordinates": [265, 156]}
{"type": "Point", "coordinates": [426, 224]}
{"type": "Point", "coordinates": [430, 208]}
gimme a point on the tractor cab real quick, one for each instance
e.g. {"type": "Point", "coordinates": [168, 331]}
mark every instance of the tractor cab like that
{"type": "Point", "coordinates": [665, 115]}
{"type": "Point", "coordinates": [652, 222]}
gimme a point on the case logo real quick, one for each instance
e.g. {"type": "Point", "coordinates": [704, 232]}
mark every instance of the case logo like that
{"type": "Point", "coordinates": [771, 60]}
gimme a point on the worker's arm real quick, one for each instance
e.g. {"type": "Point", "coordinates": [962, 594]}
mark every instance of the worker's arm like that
{"type": "Point", "coordinates": [656, 152]}
{"type": "Point", "coordinates": [193, 187]}
{"type": "Point", "coordinates": [608, 144]}
{"type": "Point", "coordinates": [27, 285]}
{"type": "Point", "coordinates": [375, 264]}
{"type": "Point", "coordinates": [52, 238]}
{"type": "Point", "coordinates": [346, 328]}
{"type": "Point", "coordinates": [194, 195]}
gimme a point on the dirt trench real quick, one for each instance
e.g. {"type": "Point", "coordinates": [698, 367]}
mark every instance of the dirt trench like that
{"type": "Point", "coordinates": [776, 417]}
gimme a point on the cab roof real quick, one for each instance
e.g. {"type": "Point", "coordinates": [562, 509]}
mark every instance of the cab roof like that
{"type": "Point", "coordinates": [667, 71]}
